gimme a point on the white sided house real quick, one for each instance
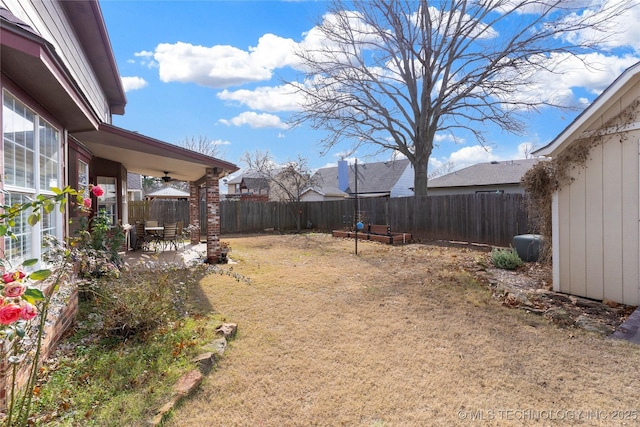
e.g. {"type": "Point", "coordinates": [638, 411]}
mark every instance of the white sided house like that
{"type": "Point", "coordinates": [596, 211]}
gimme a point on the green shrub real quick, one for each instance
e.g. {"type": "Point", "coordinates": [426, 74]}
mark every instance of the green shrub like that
{"type": "Point", "coordinates": [97, 245]}
{"type": "Point", "coordinates": [507, 259]}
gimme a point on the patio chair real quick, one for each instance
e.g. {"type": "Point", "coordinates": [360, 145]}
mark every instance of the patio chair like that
{"type": "Point", "coordinates": [169, 237]}
{"type": "Point", "coordinates": [142, 238]}
{"type": "Point", "coordinates": [151, 223]}
{"type": "Point", "coordinates": [180, 233]}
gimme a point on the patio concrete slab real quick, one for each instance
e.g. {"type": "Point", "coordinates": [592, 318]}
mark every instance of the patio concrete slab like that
{"type": "Point", "coordinates": [183, 256]}
{"type": "Point", "coordinates": [630, 328]}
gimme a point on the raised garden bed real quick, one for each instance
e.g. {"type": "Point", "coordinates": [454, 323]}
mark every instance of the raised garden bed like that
{"type": "Point", "coordinates": [377, 233]}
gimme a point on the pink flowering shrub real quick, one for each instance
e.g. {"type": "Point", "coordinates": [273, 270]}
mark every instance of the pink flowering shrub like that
{"type": "Point", "coordinates": [17, 298]}
{"type": "Point", "coordinates": [23, 306]}
{"type": "Point", "coordinates": [96, 190]}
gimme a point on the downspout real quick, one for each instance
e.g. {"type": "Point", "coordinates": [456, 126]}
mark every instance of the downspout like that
{"type": "Point", "coordinates": [65, 182]}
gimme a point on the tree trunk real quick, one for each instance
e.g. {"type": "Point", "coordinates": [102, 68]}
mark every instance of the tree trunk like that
{"type": "Point", "coordinates": [420, 179]}
{"type": "Point", "coordinates": [419, 190]}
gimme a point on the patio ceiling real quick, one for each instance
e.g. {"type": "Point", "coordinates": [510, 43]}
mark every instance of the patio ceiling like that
{"type": "Point", "coordinates": [147, 156]}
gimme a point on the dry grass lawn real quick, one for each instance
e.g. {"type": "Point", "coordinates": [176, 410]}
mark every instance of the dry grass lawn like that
{"type": "Point", "coordinates": [396, 336]}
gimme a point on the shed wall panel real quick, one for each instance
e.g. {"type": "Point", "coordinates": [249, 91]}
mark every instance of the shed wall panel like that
{"type": "Point", "coordinates": [612, 219]}
{"type": "Point", "coordinates": [593, 226]}
{"type": "Point", "coordinates": [577, 229]}
{"type": "Point", "coordinates": [564, 240]}
{"type": "Point", "coordinates": [630, 218]}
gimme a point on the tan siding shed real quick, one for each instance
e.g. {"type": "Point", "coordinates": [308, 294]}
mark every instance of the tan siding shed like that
{"type": "Point", "coordinates": [596, 217]}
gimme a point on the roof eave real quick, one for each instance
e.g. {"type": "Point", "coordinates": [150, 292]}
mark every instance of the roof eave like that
{"type": "Point", "coordinates": [32, 63]}
{"type": "Point", "coordinates": [88, 23]}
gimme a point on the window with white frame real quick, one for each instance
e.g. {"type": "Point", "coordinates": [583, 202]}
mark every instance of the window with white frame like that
{"type": "Point", "coordinates": [108, 200]}
{"type": "Point", "coordinates": [83, 175]}
{"type": "Point", "coordinates": [31, 159]}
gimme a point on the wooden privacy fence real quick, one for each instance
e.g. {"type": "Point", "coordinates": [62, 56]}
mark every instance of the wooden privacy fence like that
{"type": "Point", "coordinates": [491, 219]}
{"type": "Point", "coordinates": [162, 210]}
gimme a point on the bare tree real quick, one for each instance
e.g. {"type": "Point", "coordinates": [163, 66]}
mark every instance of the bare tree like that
{"type": "Point", "coordinates": [286, 182]}
{"type": "Point", "coordinates": [528, 148]}
{"type": "Point", "coordinates": [394, 72]}
{"type": "Point", "coordinates": [202, 145]}
{"type": "Point", "coordinates": [443, 169]}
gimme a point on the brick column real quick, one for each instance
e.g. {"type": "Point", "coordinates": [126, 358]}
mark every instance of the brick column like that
{"type": "Point", "coordinates": [194, 212]}
{"type": "Point", "coordinates": [213, 215]}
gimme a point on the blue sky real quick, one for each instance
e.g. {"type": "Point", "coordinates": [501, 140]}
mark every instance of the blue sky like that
{"type": "Point", "coordinates": [214, 69]}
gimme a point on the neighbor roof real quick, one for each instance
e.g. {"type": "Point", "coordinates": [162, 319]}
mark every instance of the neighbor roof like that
{"type": "Point", "coordinates": [327, 191]}
{"type": "Point", "coordinates": [490, 173]}
{"type": "Point", "coordinates": [238, 178]}
{"type": "Point", "coordinates": [255, 183]}
{"type": "Point", "coordinates": [169, 193]}
{"type": "Point", "coordinates": [379, 177]}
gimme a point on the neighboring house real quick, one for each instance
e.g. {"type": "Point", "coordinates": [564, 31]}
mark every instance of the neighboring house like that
{"type": "Point", "coordinates": [167, 193]}
{"type": "Point", "coordinates": [489, 177]}
{"type": "Point", "coordinates": [60, 87]}
{"type": "Point", "coordinates": [380, 179]}
{"type": "Point", "coordinates": [134, 187]}
{"type": "Point", "coordinates": [596, 214]}
{"type": "Point", "coordinates": [322, 194]}
{"type": "Point", "coordinates": [250, 185]}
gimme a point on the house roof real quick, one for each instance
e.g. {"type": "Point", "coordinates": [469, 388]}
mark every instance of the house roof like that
{"type": "Point", "coordinates": [255, 183]}
{"type": "Point", "coordinates": [168, 193]}
{"type": "Point", "coordinates": [238, 179]}
{"type": "Point", "coordinates": [489, 173]}
{"type": "Point", "coordinates": [379, 177]}
{"type": "Point", "coordinates": [327, 191]}
{"type": "Point", "coordinates": [91, 31]}
{"type": "Point", "coordinates": [603, 102]}
{"type": "Point", "coordinates": [33, 64]}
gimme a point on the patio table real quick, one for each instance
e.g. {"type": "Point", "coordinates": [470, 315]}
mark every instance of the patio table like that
{"type": "Point", "coordinates": [153, 230]}
{"type": "Point", "coordinates": [155, 233]}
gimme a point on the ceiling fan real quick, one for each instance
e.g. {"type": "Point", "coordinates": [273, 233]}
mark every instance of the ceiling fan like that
{"type": "Point", "coordinates": [166, 177]}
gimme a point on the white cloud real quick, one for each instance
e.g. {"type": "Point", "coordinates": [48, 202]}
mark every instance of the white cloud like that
{"type": "Point", "coordinates": [133, 83]}
{"type": "Point", "coordinates": [219, 142]}
{"type": "Point", "coordinates": [525, 149]}
{"type": "Point", "coordinates": [564, 73]}
{"type": "Point", "coordinates": [223, 66]}
{"type": "Point", "coordinates": [447, 23]}
{"type": "Point", "coordinates": [144, 54]}
{"type": "Point", "coordinates": [622, 30]}
{"type": "Point", "coordinates": [464, 157]}
{"type": "Point", "coordinates": [146, 59]}
{"type": "Point", "coordinates": [255, 120]}
{"type": "Point", "coordinates": [447, 137]}
{"type": "Point", "coordinates": [274, 52]}
{"type": "Point", "coordinates": [472, 155]}
{"type": "Point", "coordinates": [217, 66]}
{"type": "Point", "coordinates": [272, 99]}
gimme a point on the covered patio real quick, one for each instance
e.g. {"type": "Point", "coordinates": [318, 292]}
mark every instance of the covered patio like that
{"type": "Point", "coordinates": [117, 151]}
